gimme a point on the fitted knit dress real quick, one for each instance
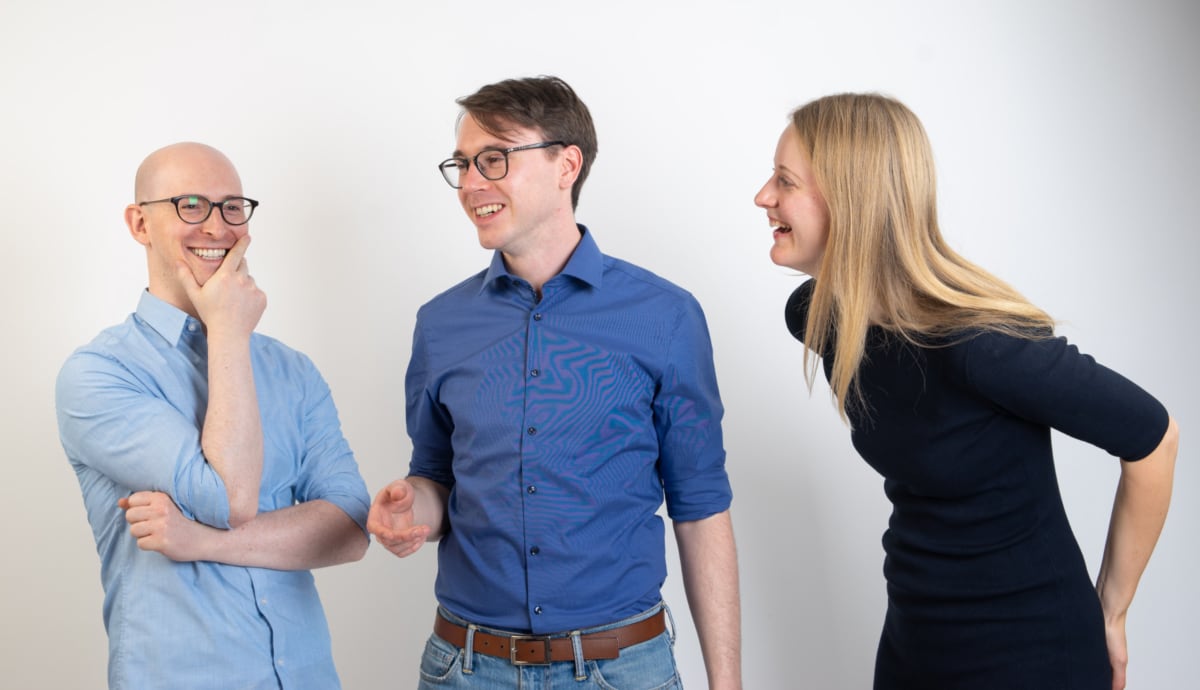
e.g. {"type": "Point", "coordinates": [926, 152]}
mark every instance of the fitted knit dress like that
{"type": "Point", "coordinates": [987, 587]}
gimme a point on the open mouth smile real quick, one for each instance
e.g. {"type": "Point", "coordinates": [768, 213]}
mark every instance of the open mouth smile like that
{"type": "Point", "coordinates": [207, 253]}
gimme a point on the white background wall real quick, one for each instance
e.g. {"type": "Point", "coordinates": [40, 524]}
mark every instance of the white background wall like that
{"type": "Point", "coordinates": [1066, 139]}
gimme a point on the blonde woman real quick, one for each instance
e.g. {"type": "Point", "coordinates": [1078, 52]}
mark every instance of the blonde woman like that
{"type": "Point", "coordinates": [950, 382]}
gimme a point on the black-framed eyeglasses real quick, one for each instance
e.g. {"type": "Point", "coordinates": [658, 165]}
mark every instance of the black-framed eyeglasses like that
{"type": "Point", "coordinates": [492, 163]}
{"type": "Point", "coordinates": [195, 209]}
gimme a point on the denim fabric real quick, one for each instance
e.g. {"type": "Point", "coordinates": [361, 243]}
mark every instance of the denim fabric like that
{"type": "Point", "coordinates": [646, 666]}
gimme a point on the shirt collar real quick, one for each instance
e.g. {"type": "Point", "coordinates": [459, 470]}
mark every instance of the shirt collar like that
{"type": "Point", "coordinates": [586, 263]}
{"type": "Point", "coordinates": [166, 320]}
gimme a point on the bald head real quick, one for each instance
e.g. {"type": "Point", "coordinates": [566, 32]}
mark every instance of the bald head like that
{"type": "Point", "coordinates": [178, 168]}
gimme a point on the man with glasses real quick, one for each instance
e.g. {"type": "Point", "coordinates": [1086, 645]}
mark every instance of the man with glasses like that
{"type": "Point", "coordinates": [212, 463]}
{"type": "Point", "coordinates": [553, 400]}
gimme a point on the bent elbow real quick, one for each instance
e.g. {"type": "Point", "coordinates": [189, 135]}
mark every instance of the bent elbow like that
{"type": "Point", "coordinates": [1171, 438]}
{"type": "Point", "coordinates": [359, 550]}
{"type": "Point", "coordinates": [241, 514]}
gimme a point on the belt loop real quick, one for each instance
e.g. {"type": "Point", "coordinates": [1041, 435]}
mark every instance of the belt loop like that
{"type": "Point", "coordinates": [670, 627]}
{"type": "Point", "coordinates": [577, 648]}
{"type": "Point", "coordinates": [468, 667]}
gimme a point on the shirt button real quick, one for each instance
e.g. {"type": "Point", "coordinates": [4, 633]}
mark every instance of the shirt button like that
{"type": "Point", "coordinates": [537, 316]}
{"type": "Point", "coordinates": [535, 372]}
{"type": "Point", "coordinates": [532, 431]}
{"type": "Point", "coordinates": [532, 489]}
{"type": "Point", "coordinates": [191, 328]}
{"type": "Point", "coordinates": [534, 551]}
{"type": "Point", "coordinates": [537, 610]}
{"type": "Point", "coordinates": [263, 601]}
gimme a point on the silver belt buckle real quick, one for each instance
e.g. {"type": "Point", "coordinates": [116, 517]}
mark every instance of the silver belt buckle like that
{"type": "Point", "coordinates": [512, 650]}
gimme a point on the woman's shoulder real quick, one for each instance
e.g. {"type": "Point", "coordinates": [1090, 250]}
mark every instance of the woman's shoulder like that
{"type": "Point", "coordinates": [795, 313]}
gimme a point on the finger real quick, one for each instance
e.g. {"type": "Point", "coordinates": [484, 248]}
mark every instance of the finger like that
{"type": "Point", "coordinates": [235, 257]}
{"type": "Point", "coordinates": [141, 514]}
{"type": "Point", "coordinates": [135, 499]}
{"type": "Point", "coordinates": [400, 549]}
{"type": "Point", "coordinates": [405, 537]}
{"type": "Point", "coordinates": [139, 529]}
{"type": "Point", "coordinates": [149, 543]}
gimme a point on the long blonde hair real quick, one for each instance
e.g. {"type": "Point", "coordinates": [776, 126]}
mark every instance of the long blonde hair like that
{"type": "Point", "coordinates": [885, 262]}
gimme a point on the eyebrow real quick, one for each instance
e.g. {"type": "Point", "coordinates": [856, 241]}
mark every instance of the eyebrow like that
{"type": "Point", "coordinates": [500, 146]}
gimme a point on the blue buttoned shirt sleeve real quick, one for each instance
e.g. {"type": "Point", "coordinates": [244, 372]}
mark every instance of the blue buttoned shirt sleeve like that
{"type": "Point", "coordinates": [687, 417]}
{"type": "Point", "coordinates": [329, 471]}
{"type": "Point", "coordinates": [118, 421]}
{"type": "Point", "coordinates": [429, 423]}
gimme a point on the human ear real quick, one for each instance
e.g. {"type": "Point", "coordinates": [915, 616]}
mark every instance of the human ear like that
{"type": "Point", "coordinates": [135, 220]}
{"type": "Point", "coordinates": [570, 163]}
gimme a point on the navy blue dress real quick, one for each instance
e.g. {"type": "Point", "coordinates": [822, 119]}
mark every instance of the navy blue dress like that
{"type": "Point", "coordinates": [987, 587]}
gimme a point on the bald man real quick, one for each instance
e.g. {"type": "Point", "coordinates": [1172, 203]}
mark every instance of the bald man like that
{"type": "Point", "coordinates": [212, 463]}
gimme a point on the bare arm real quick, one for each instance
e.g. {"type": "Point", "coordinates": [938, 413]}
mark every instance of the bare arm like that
{"type": "Point", "coordinates": [407, 513]}
{"type": "Point", "coordinates": [1139, 511]}
{"type": "Point", "coordinates": [309, 535]}
{"type": "Point", "coordinates": [708, 558]}
{"type": "Point", "coordinates": [230, 305]}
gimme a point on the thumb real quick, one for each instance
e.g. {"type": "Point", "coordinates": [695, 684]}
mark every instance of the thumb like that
{"type": "Point", "coordinates": [187, 279]}
{"type": "Point", "coordinates": [396, 492]}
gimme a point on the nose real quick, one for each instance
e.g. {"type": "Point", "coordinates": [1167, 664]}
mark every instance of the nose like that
{"type": "Point", "coordinates": [471, 178]}
{"type": "Point", "coordinates": [216, 226]}
{"type": "Point", "coordinates": [764, 198]}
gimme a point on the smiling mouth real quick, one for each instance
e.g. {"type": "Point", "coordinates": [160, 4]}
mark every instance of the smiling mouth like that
{"type": "Point", "coordinates": [487, 210]}
{"type": "Point", "coordinates": [205, 253]}
{"type": "Point", "coordinates": [780, 227]}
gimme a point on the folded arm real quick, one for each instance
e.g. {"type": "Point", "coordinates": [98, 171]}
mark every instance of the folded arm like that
{"type": "Point", "coordinates": [308, 535]}
{"type": "Point", "coordinates": [230, 305]}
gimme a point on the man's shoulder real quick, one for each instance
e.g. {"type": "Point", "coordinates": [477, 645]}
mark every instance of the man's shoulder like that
{"type": "Point", "coordinates": [459, 293]}
{"type": "Point", "coordinates": [626, 275]}
{"type": "Point", "coordinates": [110, 343]}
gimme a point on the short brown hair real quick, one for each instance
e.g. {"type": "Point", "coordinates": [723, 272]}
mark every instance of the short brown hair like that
{"type": "Point", "coordinates": [545, 103]}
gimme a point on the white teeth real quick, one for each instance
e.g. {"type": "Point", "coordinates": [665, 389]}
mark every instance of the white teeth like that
{"type": "Point", "coordinates": [209, 253]}
{"type": "Point", "coordinates": [776, 225]}
{"type": "Point", "coordinates": [488, 209]}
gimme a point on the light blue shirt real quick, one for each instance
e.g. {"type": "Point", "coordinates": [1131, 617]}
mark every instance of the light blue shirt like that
{"type": "Point", "coordinates": [561, 425]}
{"type": "Point", "coordinates": [131, 406]}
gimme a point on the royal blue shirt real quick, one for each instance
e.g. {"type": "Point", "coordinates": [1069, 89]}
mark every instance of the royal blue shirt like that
{"type": "Point", "coordinates": [131, 406]}
{"type": "Point", "coordinates": [559, 425]}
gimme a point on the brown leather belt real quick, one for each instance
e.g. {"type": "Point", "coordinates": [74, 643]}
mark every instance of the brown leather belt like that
{"type": "Point", "coordinates": [525, 650]}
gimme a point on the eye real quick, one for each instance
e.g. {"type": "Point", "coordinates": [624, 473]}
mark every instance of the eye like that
{"type": "Point", "coordinates": [492, 159]}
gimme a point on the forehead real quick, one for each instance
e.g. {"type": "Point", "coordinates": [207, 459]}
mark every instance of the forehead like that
{"type": "Point", "coordinates": [791, 152]}
{"type": "Point", "coordinates": [472, 136]}
{"type": "Point", "coordinates": [196, 172]}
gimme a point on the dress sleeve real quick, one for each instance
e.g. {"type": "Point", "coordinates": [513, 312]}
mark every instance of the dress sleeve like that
{"type": "Point", "coordinates": [1049, 381]}
{"type": "Point", "coordinates": [113, 422]}
{"type": "Point", "coordinates": [429, 424]}
{"type": "Point", "coordinates": [329, 471]}
{"type": "Point", "coordinates": [687, 418]}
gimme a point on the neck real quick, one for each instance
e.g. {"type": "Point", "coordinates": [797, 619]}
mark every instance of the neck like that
{"type": "Point", "coordinates": [545, 260]}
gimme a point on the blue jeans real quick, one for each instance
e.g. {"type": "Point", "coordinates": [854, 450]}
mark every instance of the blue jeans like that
{"type": "Point", "coordinates": [646, 666]}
